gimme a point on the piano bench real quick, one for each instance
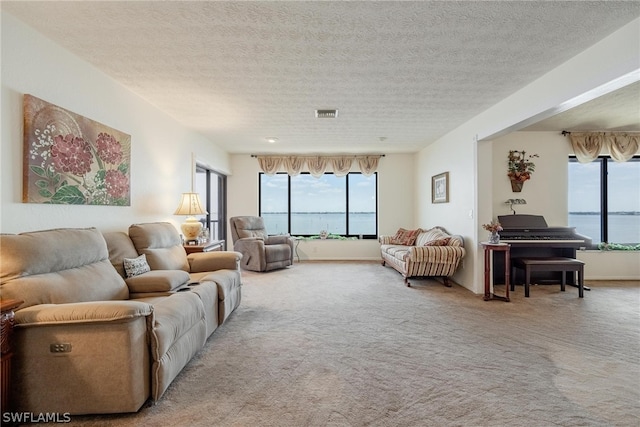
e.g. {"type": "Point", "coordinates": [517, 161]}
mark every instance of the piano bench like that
{"type": "Point", "coordinates": [561, 264]}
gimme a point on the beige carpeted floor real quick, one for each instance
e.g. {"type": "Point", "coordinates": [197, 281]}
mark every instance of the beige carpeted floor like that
{"type": "Point", "coordinates": [347, 344]}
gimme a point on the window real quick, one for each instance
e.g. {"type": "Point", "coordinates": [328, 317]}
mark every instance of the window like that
{"type": "Point", "coordinates": [604, 199]}
{"type": "Point", "coordinates": [303, 205]}
{"type": "Point", "coordinates": [212, 187]}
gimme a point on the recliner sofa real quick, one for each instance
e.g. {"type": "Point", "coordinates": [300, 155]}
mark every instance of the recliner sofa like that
{"type": "Point", "coordinates": [88, 339]}
{"type": "Point", "coordinates": [260, 251]}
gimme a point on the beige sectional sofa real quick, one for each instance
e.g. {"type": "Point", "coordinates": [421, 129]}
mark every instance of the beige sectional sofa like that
{"type": "Point", "coordinates": [423, 253]}
{"type": "Point", "coordinates": [87, 338]}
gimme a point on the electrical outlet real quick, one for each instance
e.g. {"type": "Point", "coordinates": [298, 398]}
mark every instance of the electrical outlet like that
{"type": "Point", "coordinates": [60, 348]}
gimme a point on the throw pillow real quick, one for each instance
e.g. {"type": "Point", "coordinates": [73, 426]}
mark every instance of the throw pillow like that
{"type": "Point", "coordinates": [136, 266]}
{"type": "Point", "coordinates": [439, 242]}
{"type": "Point", "coordinates": [405, 237]}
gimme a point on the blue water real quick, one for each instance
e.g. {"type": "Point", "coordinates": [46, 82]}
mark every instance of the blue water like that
{"type": "Point", "coordinates": [313, 222]}
{"type": "Point", "coordinates": [622, 228]}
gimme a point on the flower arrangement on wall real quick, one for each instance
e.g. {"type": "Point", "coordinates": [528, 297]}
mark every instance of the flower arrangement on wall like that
{"type": "Point", "coordinates": [520, 168]}
{"type": "Point", "coordinates": [70, 159]}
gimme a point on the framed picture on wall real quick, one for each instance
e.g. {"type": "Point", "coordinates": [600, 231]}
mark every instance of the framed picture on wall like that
{"type": "Point", "coordinates": [440, 188]}
{"type": "Point", "coordinates": [72, 160]}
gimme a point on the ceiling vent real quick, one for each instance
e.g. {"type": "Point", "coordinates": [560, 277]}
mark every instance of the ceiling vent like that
{"type": "Point", "coordinates": [326, 114]}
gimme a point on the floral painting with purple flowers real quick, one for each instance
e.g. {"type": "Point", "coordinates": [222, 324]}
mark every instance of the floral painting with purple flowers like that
{"type": "Point", "coordinates": [73, 160]}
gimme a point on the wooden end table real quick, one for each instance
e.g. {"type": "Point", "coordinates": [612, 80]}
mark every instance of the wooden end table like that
{"type": "Point", "coordinates": [211, 245]}
{"type": "Point", "coordinates": [489, 249]}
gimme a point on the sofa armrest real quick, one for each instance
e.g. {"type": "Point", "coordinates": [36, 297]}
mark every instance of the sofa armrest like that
{"type": "Point", "coordinates": [436, 254]}
{"type": "Point", "coordinates": [157, 281]}
{"type": "Point", "coordinates": [278, 239]}
{"type": "Point", "coordinates": [81, 312]}
{"type": "Point", "coordinates": [212, 261]}
{"type": "Point", "coordinates": [385, 240]}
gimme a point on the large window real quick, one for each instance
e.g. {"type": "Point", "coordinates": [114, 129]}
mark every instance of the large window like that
{"type": "Point", "coordinates": [604, 199]}
{"type": "Point", "coordinates": [303, 205]}
{"type": "Point", "coordinates": [212, 187]}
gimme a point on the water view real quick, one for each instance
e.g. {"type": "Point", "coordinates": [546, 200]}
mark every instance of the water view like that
{"type": "Point", "coordinates": [624, 227]}
{"type": "Point", "coordinates": [311, 223]}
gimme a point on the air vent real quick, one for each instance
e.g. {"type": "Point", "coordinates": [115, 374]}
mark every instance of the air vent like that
{"type": "Point", "coordinates": [326, 114]}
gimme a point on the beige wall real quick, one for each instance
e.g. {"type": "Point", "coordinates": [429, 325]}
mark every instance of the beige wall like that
{"type": "Point", "coordinates": [162, 149]}
{"type": "Point", "coordinates": [162, 154]}
{"type": "Point", "coordinates": [479, 164]}
{"type": "Point", "coordinates": [395, 205]}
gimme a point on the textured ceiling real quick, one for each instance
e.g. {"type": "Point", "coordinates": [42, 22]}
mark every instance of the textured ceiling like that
{"type": "Point", "coordinates": [405, 72]}
{"type": "Point", "coordinates": [616, 111]}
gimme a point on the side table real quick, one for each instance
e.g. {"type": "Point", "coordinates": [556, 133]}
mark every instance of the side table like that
{"type": "Point", "coordinates": [6, 329]}
{"type": "Point", "coordinates": [490, 249]}
{"type": "Point", "coordinates": [212, 245]}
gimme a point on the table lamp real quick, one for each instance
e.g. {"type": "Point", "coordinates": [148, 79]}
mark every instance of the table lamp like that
{"type": "Point", "coordinates": [190, 205]}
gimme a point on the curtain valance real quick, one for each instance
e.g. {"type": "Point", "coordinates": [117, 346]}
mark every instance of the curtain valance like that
{"type": "Point", "coordinates": [587, 146]}
{"type": "Point", "coordinates": [317, 165]}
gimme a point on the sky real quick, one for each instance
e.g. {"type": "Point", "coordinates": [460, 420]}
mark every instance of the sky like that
{"type": "Point", "coordinates": [624, 186]}
{"type": "Point", "coordinates": [324, 194]}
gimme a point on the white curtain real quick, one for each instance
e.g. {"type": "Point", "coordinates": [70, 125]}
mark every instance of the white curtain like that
{"type": "Point", "coordinates": [622, 147]}
{"type": "Point", "coordinates": [368, 164]}
{"type": "Point", "coordinates": [293, 165]}
{"type": "Point", "coordinates": [269, 164]}
{"type": "Point", "coordinates": [317, 165]}
{"type": "Point", "coordinates": [587, 146]}
{"type": "Point", "coordinates": [341, 165]}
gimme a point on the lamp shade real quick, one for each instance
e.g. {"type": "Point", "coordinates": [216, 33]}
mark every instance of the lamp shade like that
{"type": "Point", "coordinates": [190, 205]}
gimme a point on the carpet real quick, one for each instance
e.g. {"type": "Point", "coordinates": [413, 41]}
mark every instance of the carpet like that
{"type": "Point", "coordinates": [347, 344]}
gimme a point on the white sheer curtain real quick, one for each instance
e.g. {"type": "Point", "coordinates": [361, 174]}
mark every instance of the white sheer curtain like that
{"type": "Point", "coordinates": [341, 165]}
{"type": "Point", "coordinates": [269, 164]}
{"type": "Point", "coordinates": [368, 164]}
{"type": "Point", "coordinates": [587, 146]}
{"type": "Point", "coordinates": [293, 165]}
{"type": "Point", "coordinates": [317, 165]}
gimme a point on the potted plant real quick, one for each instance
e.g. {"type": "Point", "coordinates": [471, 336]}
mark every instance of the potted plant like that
{"type": "Point", "coordinates": [520, 168]}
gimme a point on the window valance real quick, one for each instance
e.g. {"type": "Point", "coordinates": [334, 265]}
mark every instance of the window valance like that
{"type": "Point", "coordinates": [317, 165]}
{"type": "Point", "coordinates": [587, 146]}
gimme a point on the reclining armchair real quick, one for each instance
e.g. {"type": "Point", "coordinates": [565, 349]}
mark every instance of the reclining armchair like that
{"type": "Point", "coordinates": [260, 252]}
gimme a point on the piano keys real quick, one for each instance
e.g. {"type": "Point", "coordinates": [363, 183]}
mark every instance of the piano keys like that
{"type": "Point", "coordinates": [530, 236]}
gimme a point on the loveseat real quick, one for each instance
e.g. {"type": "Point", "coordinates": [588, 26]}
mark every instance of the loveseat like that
{"type": "Point", "coordinates": [422, 253]}
{"type": "Point", "coordinates": [90, 338]}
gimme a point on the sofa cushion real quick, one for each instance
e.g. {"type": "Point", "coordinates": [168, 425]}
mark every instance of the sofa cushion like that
{"type": "Point", "coordinates": [162, 245]}
{"type": "Point", "coordinates": [405, 237]}
{"type": "Point", "coordinates": [430, 235]}
{"type": "Point", "coordinates": [157, 281]}
{"type": "Point", "coordinates": [58, 266]}
{"type": "Point", "coordinates": [398, 252]}
{"type": "Point", "coordinates": [439, 242]}
{"type": "Point", "coordinates": [250, 227]}
{"type": "Point", "coordinates": [120, 247]}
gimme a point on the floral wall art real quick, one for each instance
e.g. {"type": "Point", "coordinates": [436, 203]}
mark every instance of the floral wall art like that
{"type": "Point", "coordinates": [70, 159]}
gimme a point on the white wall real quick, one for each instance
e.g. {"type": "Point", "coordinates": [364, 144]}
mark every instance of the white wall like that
{"type": "Point", "coordinates": [546, 191]}
{"type": "Point", "coordinates": [546, 194]}
{"type": "Point", "coordinates": [162, 149]}
{"type": "Point", "coordinates": [469, 153]}
{"type": "Point", "coordinates": [395, 206]}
